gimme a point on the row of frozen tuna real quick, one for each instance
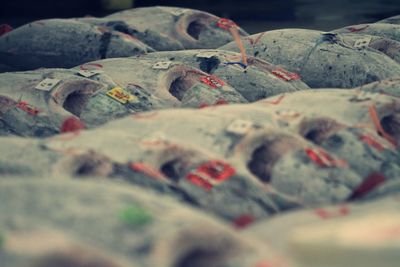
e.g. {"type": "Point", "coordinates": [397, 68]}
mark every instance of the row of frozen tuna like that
{"type": "Point", "coordinates": [344, 58]}
{"type": "Point", "coordinates": [292, 150]}
{"type": "Point", "coordinates": [62, 222]}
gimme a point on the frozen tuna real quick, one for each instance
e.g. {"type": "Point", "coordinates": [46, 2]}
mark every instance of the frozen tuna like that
{"type": "Point", "coordinates": [191, 28]}
{"type": "Point", "coordinates": [63, 43]}
{"type": "Point", "coordinates": [323, 60]}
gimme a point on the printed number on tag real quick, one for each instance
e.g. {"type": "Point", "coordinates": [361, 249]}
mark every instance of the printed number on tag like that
{"type": "Point", "coordinates": [239, 127]}
{"type": "Point", "coordinates": [47, 84]}
{"type": "Point", "coordinates": [162, 65]}
{"type": "Point", "coordinates": [89, 73]}
{"type": "Point", "coordinates": [122, 96]}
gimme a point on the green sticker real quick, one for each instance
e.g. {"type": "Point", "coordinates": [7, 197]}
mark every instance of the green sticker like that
{"type": "Point", "coordinates": [135, 216]}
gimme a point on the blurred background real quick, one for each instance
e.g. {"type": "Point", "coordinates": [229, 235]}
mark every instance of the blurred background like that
{"type": "Point", "coordinates": [252, 15]}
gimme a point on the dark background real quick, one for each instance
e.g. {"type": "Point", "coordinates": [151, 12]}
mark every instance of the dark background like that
{"type": "Point", "coordinates": [252, 15]}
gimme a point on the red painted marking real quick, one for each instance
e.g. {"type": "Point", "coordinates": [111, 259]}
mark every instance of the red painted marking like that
{"type": "Point", "coordinates": [357, 29]}
{"type": "Point", "coordinates": [378, 126]}
{"type": "Point", "coordinates": [226, 24]}
{"type": "Point", "coordinates": [371, 182]}
{"type": "Point", "coordinates": [91, 66]}
{"type": "Point", "coordinates": [71, 125]}
{"type": "Point", "coordinates": [340, 212]}
{"type": "Point", "coordinates": [369, 140]}
{"type": "Point", "coordinates": [212, 81]}
{"type": "Point", "coordinates": [145, 115]}
{"type": "Point", "coordinates": [323, 159]}
{"type": "Point", "coordinates": [243, 221]}
{"type": "Point", "coordinates": [211, 173]}
{"type": "Point", "coordinates": [217, 103]}
{"type": "Point", "coordinates": [276, 101]}
{"type": "Point", "coordinates": [146, 169]}
{"type": "Point", "coordinates": [28, 108]}
{"type": "Point", "coordinates": [285, 75]}
{"type": "Point", "coordinates": [5, 28]}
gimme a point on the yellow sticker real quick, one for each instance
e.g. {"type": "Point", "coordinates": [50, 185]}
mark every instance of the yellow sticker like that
{"type": "Point", "coordinates": [122, 96]}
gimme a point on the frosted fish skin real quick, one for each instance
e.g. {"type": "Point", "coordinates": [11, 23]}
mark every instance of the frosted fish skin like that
{"type": "Point", "coordinates": [391, 20]}
{"type": "Point", "coordinates": [175, 84]}
{"type": "Point", "coordinates": [256, 81]}
{"type": "Point", "coordinates": [71, 43]}
{"type": "Point", "coordinates": [156, 40]}
{"type": "Point", "coordinates": [388, 46]}
{"type": "Point", "coordinates": [391, 31]}
{"type": "Point", "coordinates": [322, 60]}
{"type": "Point", "coordinates": [128, 234]}
{"type": "Point", "coordinates": [28, 111]}
{"type": "Point", "coordinates": [191, 28]}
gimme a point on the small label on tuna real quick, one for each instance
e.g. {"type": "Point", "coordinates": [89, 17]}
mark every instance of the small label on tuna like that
{"type": "Point", "coordinates": [212, 81]}
{"type": "Point", "coordinates": [208, 54]}
{"type": "Point", "coordinates": [162, 65]}
{"type": "Point", "coordinates": [89, 73]}
{"type": "Point", "coordinates": [47, 84]}
{"type": "Point", "coordinates": [122, 95]}
{"type": "Point", "coordinates": [239, 127]}
{"type": "Point", "coordinates": [178, 11]}
{"type": "Point", "coordinates": [363, 42]}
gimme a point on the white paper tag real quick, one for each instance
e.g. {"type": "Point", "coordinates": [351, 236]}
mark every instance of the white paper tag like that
{"type": "Point", "coordinates": [178, 11]}
{"type": "Point", "coordinates": [162, 65]}
{"type": "Point", "coordinates": [207, 54]}
{"type": "Point", "coordinates": [363, 42]}
{"type": "Point", "coordinates": [89, 73]}
{"type": "Point", "coordinates": [240, 127]}
{"type": "Point", "coordinates": [47, 84]}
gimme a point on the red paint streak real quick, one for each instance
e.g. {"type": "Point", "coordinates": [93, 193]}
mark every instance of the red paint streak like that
{"type": "Point", "coordinates": [212, 81]}
{"type": "Point", "coordinates": [5, 28]}
{"type": "Point", "coordinates": [243, 221]}
{"type": "Point", "coordinates": [369, 140]}
{"type": "Point", "coordinates": [276, 101]}
{"type": "Point", "coordinates": [211, 173]}
{"type": "Point", "coordinates": [28, 108]}
{"type": "Point", "coordinates": [378, 126]}
{"type": "Point", "coordinates": [146, 169]}
{"type": "Point", "coordinates": [71, 125]}
{"type": "Point", "coordinates": [324, 214]}
{"type": "Point", "coordinates": [357, 29]}
{"type": "Point", "coordinates": [145, 115]}
{"type": "Point", "coordinates": [91, 66]}
{"type": "Point", "coordinates": [371, 182]}
{"type": "Point", "coordinates": [285, 75]}
{"type": "Point", "coordinates": [226, 24]}
{"type": "Point", "coordinates": [323, 159]}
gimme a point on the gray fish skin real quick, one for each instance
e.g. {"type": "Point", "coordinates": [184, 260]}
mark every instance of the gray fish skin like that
{"type": "Point", "coordinates": [155, 40]}
{"type": "Point", "coordinates": [330, 236]}
{"type": "Point", "coordinates": [391, 31]}
{"type": "Point", "coordinates": [71, 43]}
{"type": "Point", "coordinates": [323, 60]}
{"type": "Point", "coordinates": [132, 231]}
{"type": "Point", "coordinates": [391, 20]}
{"type": "Point", "coordinates": [255, 82]}
{"type": "Point", "coordinates": [388, 46]}
{"type": "Point", "coordinates": [191, 28]}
